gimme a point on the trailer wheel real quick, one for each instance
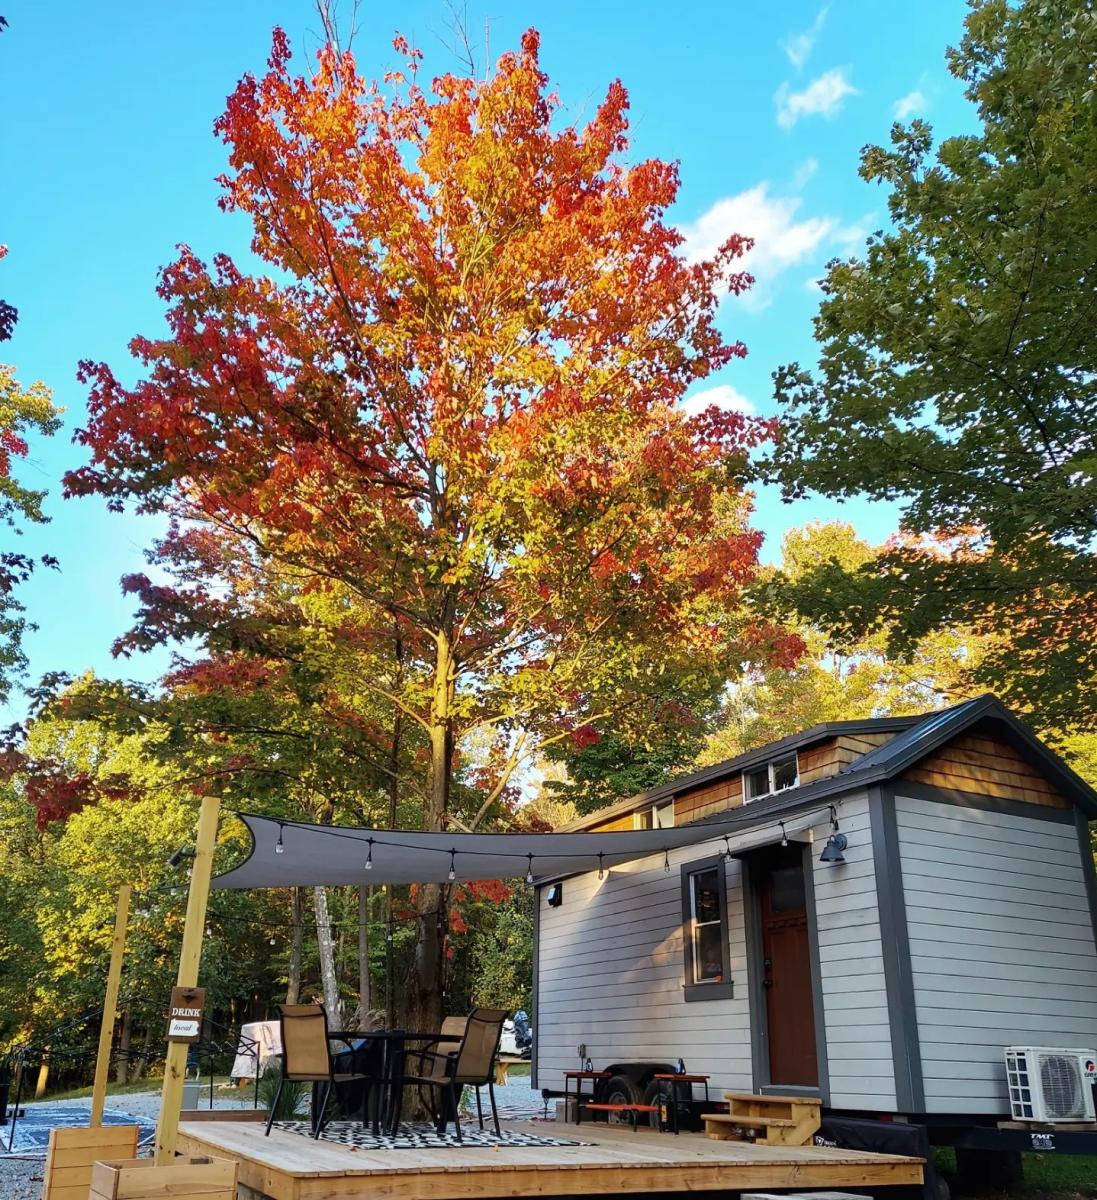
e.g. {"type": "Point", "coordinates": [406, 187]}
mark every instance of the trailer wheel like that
{"type": "Point", "coordinates": [620, 1090]}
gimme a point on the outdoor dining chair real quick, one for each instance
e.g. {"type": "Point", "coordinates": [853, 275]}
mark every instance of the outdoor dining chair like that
{"type": "Point", "coordinates": [471, 1064]}
{"type": "Point", "coordinates": [307, 1058]}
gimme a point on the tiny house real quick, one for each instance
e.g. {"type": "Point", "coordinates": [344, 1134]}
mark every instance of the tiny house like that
{"type": "Point", "coordinates": [884, 907]}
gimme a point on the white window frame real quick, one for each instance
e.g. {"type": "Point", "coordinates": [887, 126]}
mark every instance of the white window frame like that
{"type": "Point", "coordinates": [769, 767]}
{"type": "Point", "coordinates": [661, 816]}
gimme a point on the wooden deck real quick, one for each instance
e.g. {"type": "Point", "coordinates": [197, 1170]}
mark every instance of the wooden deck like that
{"type": "Point", "coordinates": [286, 1166]}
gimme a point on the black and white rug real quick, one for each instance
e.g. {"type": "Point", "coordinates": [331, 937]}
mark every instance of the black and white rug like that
{"type": "Point", "coordinates": [420, 1137]}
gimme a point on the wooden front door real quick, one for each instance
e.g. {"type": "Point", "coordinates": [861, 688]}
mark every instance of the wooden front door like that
{"type": "Point", "coordinates": [786, 962]}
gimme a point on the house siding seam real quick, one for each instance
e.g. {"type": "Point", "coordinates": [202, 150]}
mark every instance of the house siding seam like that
{"type": "Point", "coordinates": [1001, 943]}
{"type": "Point", "coordinates": [851, 961]}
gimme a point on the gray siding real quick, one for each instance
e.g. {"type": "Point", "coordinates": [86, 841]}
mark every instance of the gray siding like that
{"type": "Point", "coordinates": [855, 1006]}
{"type": "Point", "coordinates": [610, 974]}
{"type": "Point", "coordinates": [1001, 943]}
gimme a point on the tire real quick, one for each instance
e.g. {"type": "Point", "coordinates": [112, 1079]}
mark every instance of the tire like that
{"type": "Point", "coordinates": [662, 1093]}
{"type": "Point", "coordinates": [620, 1089]}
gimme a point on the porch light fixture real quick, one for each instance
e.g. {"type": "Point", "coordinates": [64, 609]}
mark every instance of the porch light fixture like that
{"type": "Point", "coordinates": [280, 846]}
{"type": "Point", "coordinates": [832, 851]}
{"type": "Point", "coordinates": [368, 864]}
{"type": "Point", "coordinates": [452, 866]}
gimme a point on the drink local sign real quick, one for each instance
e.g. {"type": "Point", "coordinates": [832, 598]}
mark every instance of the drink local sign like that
{"type": "Point", "coordinates": [185, 1017]}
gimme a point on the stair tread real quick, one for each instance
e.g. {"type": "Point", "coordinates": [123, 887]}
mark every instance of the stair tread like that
{"type": "Point", "coordinates": [756, 1099]}
{"type": "Point", "coordinates": [743, 1119]}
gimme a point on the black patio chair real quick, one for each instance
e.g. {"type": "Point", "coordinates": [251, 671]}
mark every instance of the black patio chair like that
{"type": "Point", "coordinates": [471, 1064]}
{"type": "Point", "coordinates": [307, 1057]}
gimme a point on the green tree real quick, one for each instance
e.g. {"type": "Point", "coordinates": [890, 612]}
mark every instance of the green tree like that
{"type": "Point", "coordinates": [958, 370]}
{"type": "Point", "coordinates": [841, 676]}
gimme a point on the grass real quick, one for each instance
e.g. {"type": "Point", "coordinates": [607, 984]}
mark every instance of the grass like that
{"type": "Point", "coordinates": [1047, 1176]}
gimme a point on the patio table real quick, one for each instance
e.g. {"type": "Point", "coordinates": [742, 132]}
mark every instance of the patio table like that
{"type": "Point", "coordinates": [393, 1070]}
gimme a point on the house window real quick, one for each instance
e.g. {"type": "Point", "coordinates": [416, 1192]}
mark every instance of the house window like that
{"type": "Point", "coordinates": [705, 931]}
{"type": "Point", "coordinates": [775, 776]}
{"type": "Point", "coordinates": [659, 816]}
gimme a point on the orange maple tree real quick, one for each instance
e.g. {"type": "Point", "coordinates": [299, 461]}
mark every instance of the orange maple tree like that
{"type": "Point", "coordinates": [453, 401]}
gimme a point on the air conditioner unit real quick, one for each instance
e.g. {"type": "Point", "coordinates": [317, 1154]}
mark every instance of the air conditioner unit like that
{"type": "Point", "coordinates": [1050, 1085]}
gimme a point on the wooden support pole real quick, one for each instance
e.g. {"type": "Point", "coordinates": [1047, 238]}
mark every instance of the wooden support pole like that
{"type": "Point", "coordinates": [43, 1075]}
{"type": "Point", "coordinates": [110, 1006]}
{"type": "Point", "coordinates": [175, 1067]}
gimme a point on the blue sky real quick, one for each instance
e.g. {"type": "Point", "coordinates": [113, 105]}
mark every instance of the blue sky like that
{"type": "Point", "coordinates": [109, 161]}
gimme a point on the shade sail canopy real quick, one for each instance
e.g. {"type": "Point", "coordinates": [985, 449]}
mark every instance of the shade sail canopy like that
{"type": "Point", "coordinates": [326, 854]}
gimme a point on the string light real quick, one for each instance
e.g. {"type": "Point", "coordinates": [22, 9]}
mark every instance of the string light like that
{"type": "Point", "coordinates": [833, 817]}
{"type": "Point", "coordinates": [452, 866]}
{"type": "Point", "coordinates": [280, 846]}
{"type": "Point", "coordinates": [601, 866]}
{"type": "Point", "coordinates": [529, 870]}
{"type": "Point", "coordinates": [666, 862]}
{"type": "Point", "coordinates": [728, 856]}
{"type": "Point", "coordinates": [784, 835]}
{"type": "Point", "coordinates": [369, 856]}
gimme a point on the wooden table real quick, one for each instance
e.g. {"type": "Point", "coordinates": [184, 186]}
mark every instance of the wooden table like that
{"type": "Point", "coordinates": [596, 1077]}
{"type": "Point", "coordinates": [503, 1066]}
{"type": "Point", "coordinates": [674, 1079]}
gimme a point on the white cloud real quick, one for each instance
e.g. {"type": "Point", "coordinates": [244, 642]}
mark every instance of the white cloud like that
{"type": "Point", "coordinates": [821, 98]}
{"type": "Point", "coordinates": [798, 46]}
{"type": "Point", "coordinates": [723, 395]}
{"type": "Point", "coordinates": [913, 102]}
{"type": "Point", "coordinates": [804, 172]}
{"type": "Point", "coordinates": [782, 238]}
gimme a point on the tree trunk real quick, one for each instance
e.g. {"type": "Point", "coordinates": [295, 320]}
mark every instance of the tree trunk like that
{"type": "Point", "coordinates": [122, 1066]}
{"type": "Point", "coordinates": [365, 992]}
{"type": "Point", "coordinates": [293, 983]}
{"type": "Point", "coordinates": [141, 1066]}
{"type": "Point", "coordinates": [424, 994]}
{"type": "Point", "coordinates": [327, 959]}
{"type": "Point", "coordinates": [394, 799]}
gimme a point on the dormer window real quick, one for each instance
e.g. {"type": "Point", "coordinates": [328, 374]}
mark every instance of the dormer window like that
{"type": "Point", "coordinates": [659, 816]}
{"type": "Point", "coordinates": [775, 776]}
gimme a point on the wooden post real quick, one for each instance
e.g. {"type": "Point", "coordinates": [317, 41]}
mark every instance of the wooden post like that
{"type": "Point", "coordinates": [43, 1075]}
{"type": "Point", "coordinates": [175, 1067]}
{"type": "Point", "coordinates": [110, 1006]}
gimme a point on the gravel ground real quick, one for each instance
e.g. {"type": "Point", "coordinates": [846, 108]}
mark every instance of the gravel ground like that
{"type": "Point", "coordinates": [21, 1178]}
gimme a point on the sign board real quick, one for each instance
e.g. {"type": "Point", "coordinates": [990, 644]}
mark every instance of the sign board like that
{"type": "Point", "coordinates": [185, 1018]}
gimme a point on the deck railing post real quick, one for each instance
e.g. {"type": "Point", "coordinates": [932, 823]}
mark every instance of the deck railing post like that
{"type": "Point", "coordinates": [110, 1006]}
{"type": "Point", "coordinates": [175, 1066]}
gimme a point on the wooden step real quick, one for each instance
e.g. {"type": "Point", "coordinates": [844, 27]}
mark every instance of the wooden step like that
{"type": "Point", "coordinates": [785, 1120]}
{"type": "Point", "coordinates": [751, 1122]}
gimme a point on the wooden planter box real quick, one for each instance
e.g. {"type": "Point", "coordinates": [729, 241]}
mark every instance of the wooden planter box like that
{"type": "Point", "coordinates": [74, 1152]}
{"type": "Point", "coordinates": [188, 1178]}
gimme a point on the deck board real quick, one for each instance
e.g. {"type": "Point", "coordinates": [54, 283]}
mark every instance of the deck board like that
{"type": "Point", "coordinates": [287, 1166]}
